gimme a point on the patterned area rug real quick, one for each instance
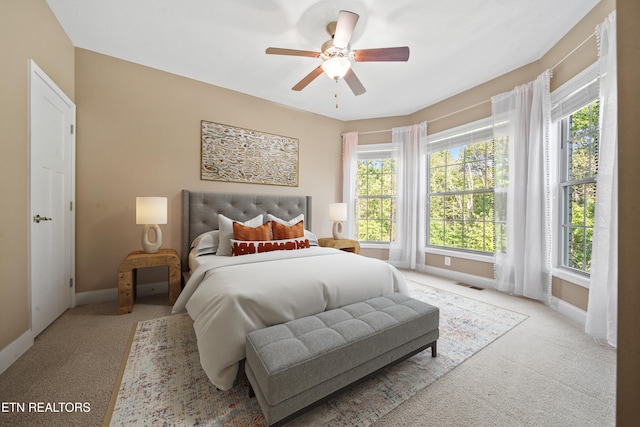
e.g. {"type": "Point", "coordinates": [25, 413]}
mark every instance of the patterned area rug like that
{"type": "Point", "coordinates": [163, 383]}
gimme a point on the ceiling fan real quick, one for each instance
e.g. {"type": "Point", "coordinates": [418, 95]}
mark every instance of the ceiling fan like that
{"type": "Point", "coordinates": [337, 55]}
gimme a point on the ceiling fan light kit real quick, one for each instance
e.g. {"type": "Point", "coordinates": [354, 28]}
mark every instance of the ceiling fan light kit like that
{"type": "Point", "coordinates": [337, 57]}
{"type": "Point", "coordinates": [336, 67]}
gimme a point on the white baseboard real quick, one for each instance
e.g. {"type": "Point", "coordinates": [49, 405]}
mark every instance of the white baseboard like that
{"type": "Point", "coordinates": [13, 351]}
{"type": "Point", "coordinates": [468, 279]}
{"type": "Point", "coordinates": [111, 294]}
{"type": "Point", "coordinates": [571, 311]}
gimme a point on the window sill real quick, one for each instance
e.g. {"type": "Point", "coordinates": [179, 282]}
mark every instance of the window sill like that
{"type": "Point", "coordinates": [570, 276]}
{"type": "Point", "coordinates": [461, 254]}
{"type": "Point", "coordinates": [369, 245]}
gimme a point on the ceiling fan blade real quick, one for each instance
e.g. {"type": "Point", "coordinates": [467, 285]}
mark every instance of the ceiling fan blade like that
{"type": "Point", "coordinates": [292, 52]}
{"type": "Point", "coordinates": [382, 54]}
{"type": "Point", "coordinates": [354, 83]}
{"type": "Point", "coordinates": [308, 78]}
{"type": "Point", "coordinates": [344, 28]}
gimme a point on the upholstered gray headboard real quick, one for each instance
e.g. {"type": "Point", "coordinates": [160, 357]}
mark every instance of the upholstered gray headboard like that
{"type": "Point", "coordinates": [200, 212]}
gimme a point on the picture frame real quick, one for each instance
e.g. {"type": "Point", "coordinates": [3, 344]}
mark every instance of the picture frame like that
{"type": "Point", "coordinates": [234, 154]}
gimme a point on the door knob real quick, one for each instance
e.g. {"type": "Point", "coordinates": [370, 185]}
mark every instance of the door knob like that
{"type": "Point", "coordinates": [39, 218]}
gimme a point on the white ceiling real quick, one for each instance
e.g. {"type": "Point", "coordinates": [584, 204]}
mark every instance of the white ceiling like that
{"type": "Point", "coordinates": [455, 44]}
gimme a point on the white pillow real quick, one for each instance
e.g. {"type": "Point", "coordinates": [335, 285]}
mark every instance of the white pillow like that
{"type": "Point", "coordinates": [206, 243]}
{"type": "Point", "coordinates": [292, 221]}
{"type": "Point", "coordinates": [225, 225]}
{"type": "Point", "coordinates": [313, 240]}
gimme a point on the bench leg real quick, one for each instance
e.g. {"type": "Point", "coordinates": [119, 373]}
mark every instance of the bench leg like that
{"type": "Point", "coordinates": [434, 350]}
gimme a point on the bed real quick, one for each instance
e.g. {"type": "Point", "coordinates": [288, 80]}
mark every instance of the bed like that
{"type": "Point", "coordinates": [229, 296]}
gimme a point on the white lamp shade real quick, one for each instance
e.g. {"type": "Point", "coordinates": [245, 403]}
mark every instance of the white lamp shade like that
{"type": "Point", "coordinates": [151, 210]}
{"type": "Point", "coordinates": [338, 211]}
{"type": "Point", "coordinates": [336, 67]}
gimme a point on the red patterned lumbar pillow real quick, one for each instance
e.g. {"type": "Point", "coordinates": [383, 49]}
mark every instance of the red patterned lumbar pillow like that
{"type": "Point", "coordinates": [283, 231]}
{"type": "Point", "coordinates": [243, 232]}
{"type": "Point", "coordinates": [242, 247]}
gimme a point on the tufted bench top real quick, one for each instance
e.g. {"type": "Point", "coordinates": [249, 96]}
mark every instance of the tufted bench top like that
{"type": "Point", "coordinates": [289, 358]}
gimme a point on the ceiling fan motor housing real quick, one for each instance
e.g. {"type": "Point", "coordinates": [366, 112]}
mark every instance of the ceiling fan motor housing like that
{"type": "Point", "coordinates": [331, 28]}
{"type": "Point", "coordinates": [330, 51]}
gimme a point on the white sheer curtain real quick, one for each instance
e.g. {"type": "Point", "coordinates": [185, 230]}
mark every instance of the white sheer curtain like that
{"type": "Point", "coordinates": [522, 205]}
{"type": "Point", "coordinates": [602, 309]}
{"type": "Point", "coordinates": [406, 250]}
{"type": "Point", "coordinates": [349, 176]}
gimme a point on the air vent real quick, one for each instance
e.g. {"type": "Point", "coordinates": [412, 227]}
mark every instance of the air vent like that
{"type": "Point", "coordinates": [477, 288]}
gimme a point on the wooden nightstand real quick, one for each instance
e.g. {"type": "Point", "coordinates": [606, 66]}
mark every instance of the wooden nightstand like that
{"type": "Point", "coordinates": [346, 245]}
{"type": "Point", "coordinates": [139, 259]}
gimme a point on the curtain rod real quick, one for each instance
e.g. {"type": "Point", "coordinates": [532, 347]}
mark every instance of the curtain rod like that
{"type": "Point", "coordinates": [573, 51]}
{"type": "Point", "coordinates": [429, 121]}
{"type": "Point", "coordinates": [374, 131]}
{"type": "Point", "coordinates": [368, 132]}
{"type": "Point", "coordinates": [486, 100]}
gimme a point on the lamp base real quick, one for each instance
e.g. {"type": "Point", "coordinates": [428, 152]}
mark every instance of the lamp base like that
{"type": "Point", "coordinates": [337, 230]}
{"type": "Point", "coordinates": [148, 246]}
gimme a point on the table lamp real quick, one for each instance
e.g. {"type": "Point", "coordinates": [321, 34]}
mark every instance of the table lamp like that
{"type": "Point", "coordinates": [337, 214]}
{"type": "Point", "coordinates": [151, 211]}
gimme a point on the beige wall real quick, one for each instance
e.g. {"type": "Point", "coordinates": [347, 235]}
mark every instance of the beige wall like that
{"type": "Point", "coordinates": [467, 266]}
{"type": "Point", "coordinates": [575, 295]}
{"type": "Point", "coordinates": [139, 135]}
{"type": "Point", "coordinates": [628, 368]}
{"type": "Point", "coordinates": [28, 29]}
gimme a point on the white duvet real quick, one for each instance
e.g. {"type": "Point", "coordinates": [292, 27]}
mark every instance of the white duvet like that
{"type": "Point", "coordinates": [229, 297]}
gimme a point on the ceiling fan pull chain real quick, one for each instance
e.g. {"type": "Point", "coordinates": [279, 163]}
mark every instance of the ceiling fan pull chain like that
{"type": "Point", "coordinates": [335, 95]}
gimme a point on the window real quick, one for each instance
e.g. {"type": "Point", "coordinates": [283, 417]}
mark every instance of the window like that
{"type": "Point", "coordinates": [575, 108]}
{"type": "Point", "coordinates": [460, 189]}
{"type": "Point", "coordinates": [578, 185]}
{"type": "Point", "coordinates": [376, 194]}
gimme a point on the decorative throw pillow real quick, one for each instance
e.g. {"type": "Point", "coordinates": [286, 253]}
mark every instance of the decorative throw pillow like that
{"type": "Point", "coordinates": [243, 247]}
{"type": "Point", "coordinates": [313, 240]}
{"type": "Point", "coordinates": [244, 232]}
{"type": "Point", "coordinates": [281, 231]}
{"type": "Point", "coordinates": [225, 225]}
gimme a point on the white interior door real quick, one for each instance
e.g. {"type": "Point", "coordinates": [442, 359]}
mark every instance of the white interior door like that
{"type": "Point", "coordinates": [52, 156]}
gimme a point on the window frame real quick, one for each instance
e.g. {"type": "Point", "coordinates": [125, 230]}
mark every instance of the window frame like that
{"type": "Point", "coordinates": [565, 182]}
{"type": "Point", "coordinates": [381, 151]}
{"type": "Point", "coordinates": [575, 94]}
{"type": "Point", "coordinates": [457, 137]}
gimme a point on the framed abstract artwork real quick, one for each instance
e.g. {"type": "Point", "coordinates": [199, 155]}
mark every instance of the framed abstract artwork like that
{"type": "Point", "coordinates": [234, 154]}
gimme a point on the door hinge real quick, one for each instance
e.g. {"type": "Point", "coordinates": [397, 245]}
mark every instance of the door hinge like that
{"type": "Point", "coordinates": [70, 206]}
{"type": "Point", "coordinates": [71, 282]}
{"type": "Point", "coordinates": [72, 129]}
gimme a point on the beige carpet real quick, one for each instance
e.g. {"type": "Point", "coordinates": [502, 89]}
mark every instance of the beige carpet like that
{"type": "Point", "coordinates": [544, 372]}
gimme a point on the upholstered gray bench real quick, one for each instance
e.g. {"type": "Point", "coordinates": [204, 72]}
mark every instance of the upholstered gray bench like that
{"type": "Point", "coordinates": [295, 365]}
